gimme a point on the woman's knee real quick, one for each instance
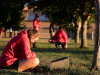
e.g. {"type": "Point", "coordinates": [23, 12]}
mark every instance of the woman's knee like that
{"type": "Point", "coordinates": [36, 61]}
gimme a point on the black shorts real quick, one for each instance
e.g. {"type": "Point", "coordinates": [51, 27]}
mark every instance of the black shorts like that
{"type": "Point", "coordinates": [14, 66]}
{"type": "Point", "coordinates": [61, 43]}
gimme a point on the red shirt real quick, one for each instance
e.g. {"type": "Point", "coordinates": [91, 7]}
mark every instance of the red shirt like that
{"type": "Point", "coordinates": [36, 24]}
{"type": "Point", "coordinates": [16, 49]}
{"type": "Point", "coordinates": [60, 36]}
{"type": "Point", "coordinates": [0, 30]}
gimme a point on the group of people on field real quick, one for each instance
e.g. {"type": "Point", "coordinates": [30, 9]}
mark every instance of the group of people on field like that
{"type": "Point", "coordinates": [9, 30]}
{"type": "Point", "coordinates": [60, 38]}
{"type": "Point", "coordinates": [17, 54]}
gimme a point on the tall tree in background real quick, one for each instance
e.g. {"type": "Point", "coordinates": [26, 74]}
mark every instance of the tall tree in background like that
{"type": "Point", "coordinates": [96, 57]}
{"type": "Point", "coordinates": [84, 8]}
{"type": "Point", "coordinates": [56, 11]}
{"type": "Point", "coordinates": [61, 12]}
{"type": "Point", "coordinates": [10, 14]}
{"type": "Point", "coordinates": [4, 11]}
{"type": "Point", "coordinates": [77, 29]}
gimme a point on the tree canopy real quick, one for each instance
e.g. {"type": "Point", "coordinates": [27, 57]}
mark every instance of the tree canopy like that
{"type": "Point", "coordinates": [56, 11]}
{"type": "Point", "coordinates": [11, 12]}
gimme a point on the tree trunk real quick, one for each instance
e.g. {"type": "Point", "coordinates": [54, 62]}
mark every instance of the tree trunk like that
{"type": "Point", "coordinates": [84, 34]}
{"type": "Point", "coordinates": [77, 33]}
{"type": "Point", "coordinates": [96, 57]}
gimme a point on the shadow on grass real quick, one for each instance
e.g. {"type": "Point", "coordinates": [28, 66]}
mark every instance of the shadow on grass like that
{"type": "Point", "coordinates": [71, 72]}
{"type": "Point", "coordinates": [49, 72]}
{"type": "Point", "coordinates": [69, 50]}
{"type": "Point", "coordinates": [1, 48]}
{"type": "Point", "coordinates": [12, 72]}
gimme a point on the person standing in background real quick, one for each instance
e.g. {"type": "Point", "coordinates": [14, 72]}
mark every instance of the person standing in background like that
{"type": "Point", "coordinates": [10, 32]}
{"type": "Point", "coordinates": [36, 24]}
{"type": "Point", "coordinates": [0, 32]}
{"type": "Point", "coordinates": [51, 30]}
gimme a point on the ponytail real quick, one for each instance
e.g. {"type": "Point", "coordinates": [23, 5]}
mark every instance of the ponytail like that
{"type": "Point", "coordinates": [32, 32]}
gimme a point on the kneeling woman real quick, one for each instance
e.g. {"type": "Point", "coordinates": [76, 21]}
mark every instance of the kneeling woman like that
{"type": "Point", "coordinates": [17, 54]}
{"type": "Point", "coordinates": [61, 38]}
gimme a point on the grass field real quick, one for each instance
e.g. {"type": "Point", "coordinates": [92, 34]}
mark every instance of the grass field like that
{"type": "Point", "coordinates": [80, 59]}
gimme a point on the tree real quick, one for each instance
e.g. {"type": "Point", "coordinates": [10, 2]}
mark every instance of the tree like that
{"type": "Point", "coordinates": [57, 11]}
{"type": "Point", "coordinates": [84, 8]}
{"type": "Point", "coordinates": [96, 57]}
{"type": "Point", "coordinates": [77, 29]}
{"type": "Point", "coordinates": [54, 10]}
{"type": "Point", "coordinates": [10, 15]}
{"type": "Point", "coordinates": [4, 14]}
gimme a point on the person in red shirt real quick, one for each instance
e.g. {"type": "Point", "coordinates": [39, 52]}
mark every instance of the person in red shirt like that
{"type": "Point", "coordinates": [61, 38]}
{"type": "Point", "coordinates": [36, 24]}
{"type": "Point", "coordinates": [0, 32]}
{"type": "Point", "coordinates": [17, 54]}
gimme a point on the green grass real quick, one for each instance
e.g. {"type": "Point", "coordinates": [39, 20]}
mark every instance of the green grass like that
{"type": "Point", "coordinates": [80, 59]}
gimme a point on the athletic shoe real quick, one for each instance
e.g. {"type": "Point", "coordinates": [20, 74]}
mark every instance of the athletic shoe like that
{"type": "Point", "coordinates": [28, 70]}
{"type": "Point", "coordinates": [56, 48]}
{"type": "Point", "coordinates": [35, 47]}
{"type": "Point", "coordinates": [37, 69]}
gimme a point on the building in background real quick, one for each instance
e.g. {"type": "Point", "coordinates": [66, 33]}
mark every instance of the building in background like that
{"type": "Point", "coordinates": [45, 22]}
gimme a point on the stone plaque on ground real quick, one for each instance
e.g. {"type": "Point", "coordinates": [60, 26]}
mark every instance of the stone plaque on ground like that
{"type": "Point", "coordinates": [61, 63]}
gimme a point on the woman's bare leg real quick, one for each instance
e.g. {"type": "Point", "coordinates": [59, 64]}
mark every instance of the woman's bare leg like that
{"type": "Point", "coordinates": [28, 63]}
